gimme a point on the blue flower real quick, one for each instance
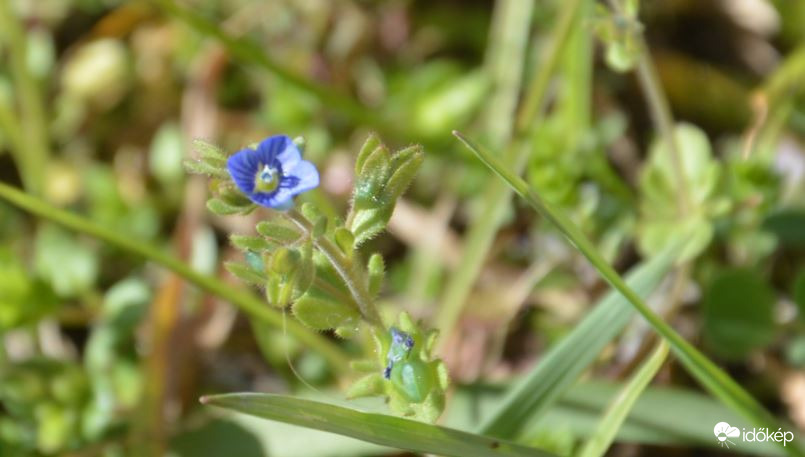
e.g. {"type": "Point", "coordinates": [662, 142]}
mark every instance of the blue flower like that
{"type": "Point", "coordinates": [273, 173]}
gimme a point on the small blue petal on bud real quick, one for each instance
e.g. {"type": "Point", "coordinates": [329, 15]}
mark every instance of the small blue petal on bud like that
{"type": "Point", "coordinates": [273, 173]}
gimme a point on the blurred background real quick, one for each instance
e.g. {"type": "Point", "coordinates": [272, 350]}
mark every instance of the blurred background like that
{"type": "Point", "coordinates": [105, 354]}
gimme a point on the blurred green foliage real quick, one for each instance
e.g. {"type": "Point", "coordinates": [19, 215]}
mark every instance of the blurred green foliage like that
{"type": "Point", "coordinates": [100, 101]}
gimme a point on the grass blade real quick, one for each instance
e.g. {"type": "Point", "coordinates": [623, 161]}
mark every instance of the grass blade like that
{"type": "Point", "coordinates": [617, 412]}
{"type": "Point", "coordinates": [374, 428]}
{"type": "Point", "coordinates": [714, 379]}
{"type": "Point", "coordinates": [564, 363]}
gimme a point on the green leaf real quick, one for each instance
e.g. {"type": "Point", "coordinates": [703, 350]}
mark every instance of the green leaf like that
{"type": "Point", "coordinates": [218, 206]}
{"type": "Point", "coordinates": [251, 243]}
{"type": "Point", "coordinates": [713, 378]}
{"type": "Point", "coordinates": [375, 428]}
{"type": "Point", "coordinates": [245, 273]}
{"type": "Point", "coordinates": [660, 220]}
{"type": "Point", "coordinates": [322, 314]}
{"type": "Point", "coordinates": [277, 232]}
{"type": "Point", "coordinates": [738, 313]}
{"type": "Point", "coordinates": [561, 366]}
{"type": "Point", "coordinates": [616, 414]}
{"type": "Point", "coordinates": [200, 167]}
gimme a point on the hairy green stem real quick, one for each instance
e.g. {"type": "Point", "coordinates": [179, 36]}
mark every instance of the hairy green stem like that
{"type": "Point", "coordinates": [349, 271]}
{"type": "Point", "coordinates": [34, 132]}
{"type": "Point", "coordinates": [244, 300]}
{"type": "Point", "coordinates": [619, 409]}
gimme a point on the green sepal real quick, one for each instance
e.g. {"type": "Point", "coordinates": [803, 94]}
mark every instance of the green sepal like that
{"type": "Point", "coordinates": [320, 313]}
{"type": "Point", "coordinates": [246, 273]}
{"type": "Point", "coordinates": [408, 162]}
{"type": "Point", "coordinates": [368, 223]}
{"type": "Point", "coordinates": [371, 143]}
{"type": "Point", "coordinates": [345, 241]}
{"type": "Point", "coordinates": [278, 233]}
{"type": "Point", "coordinates": [371, 179]}
{"type": "Point", "coordinates": [377, 270]}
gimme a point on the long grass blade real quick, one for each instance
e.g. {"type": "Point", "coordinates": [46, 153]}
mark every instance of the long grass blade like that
{"type": "Point", "coordinates": [714, 379]}
{"type": "Point", "coordinates": [617, 412]}
{"type": "Point", "coordinates": [564, 363]}
{"type": "Point", "coordinates": [371, 427]}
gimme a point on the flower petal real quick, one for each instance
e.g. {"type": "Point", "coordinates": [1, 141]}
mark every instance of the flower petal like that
{"type": "Point", "coordinates": [289, 156]}
{"type": "Point", "coordinates": [307, 178]}
{"type": "Point", "coordinates": [242, 166]}
{"type": "Point", "coordinates": [279, 199]}
{"type": "Point", "coordinates": [269, 149]}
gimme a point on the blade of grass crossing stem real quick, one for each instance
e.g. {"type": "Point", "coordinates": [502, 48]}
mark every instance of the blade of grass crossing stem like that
{"type": "Point", "coordinates": [380, 429]}
{"type": "Point", "coordinates": [246, 301]}
{"type": "Point", "coordinates": [617, 412]}
{"type": "Point", "coordinates": [714, 379]}
{"type": "Point", "coordinates": [562, 365]}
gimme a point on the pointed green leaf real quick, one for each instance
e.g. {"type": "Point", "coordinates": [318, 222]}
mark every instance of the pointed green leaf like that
{"type": "Point", "coordinates": [619, 409]}
{"type": "Point", "coordinates": [277, 232]}
{"type": "Point", "coordinates": [201, 167]}
{"type": "Point", "coordinates": [218, 206]}
{"type": "Point", "coordinates": [251, 243]}
{"type": "Point", "coordinates": [375, 428]}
